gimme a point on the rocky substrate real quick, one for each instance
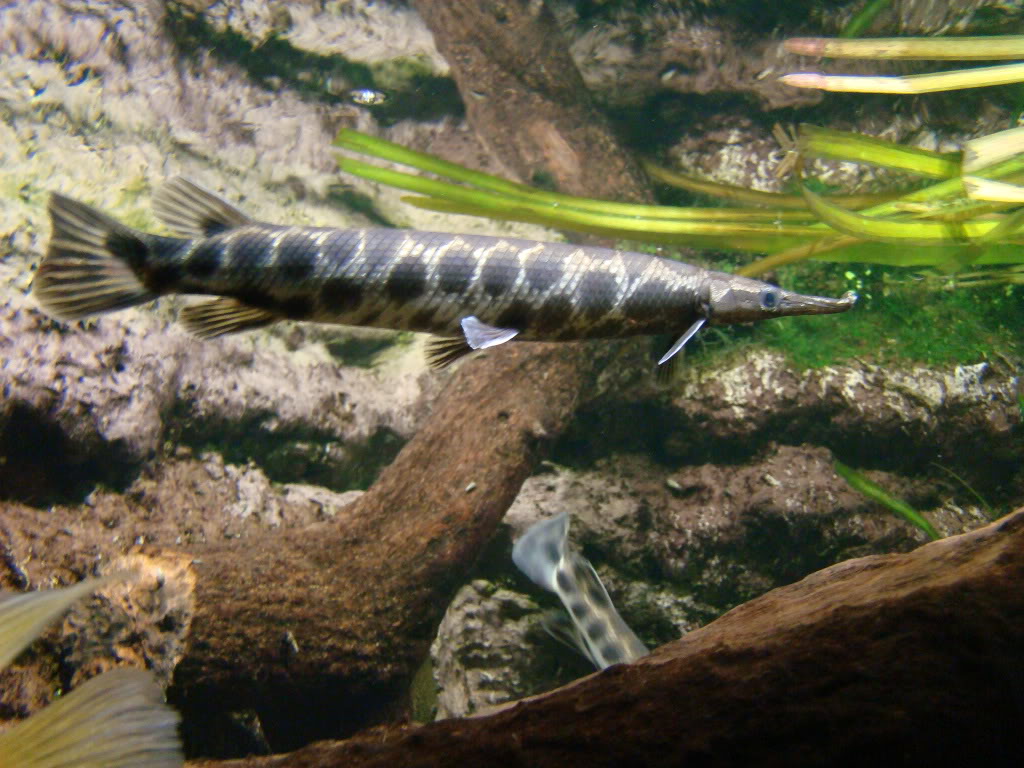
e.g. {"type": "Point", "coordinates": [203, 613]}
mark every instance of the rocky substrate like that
{"type": "Point", "coordinates": [278, 603]}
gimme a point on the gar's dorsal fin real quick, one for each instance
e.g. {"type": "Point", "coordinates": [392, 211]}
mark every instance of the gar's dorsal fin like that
{"type": "Point", "coordinates": [188, 210]}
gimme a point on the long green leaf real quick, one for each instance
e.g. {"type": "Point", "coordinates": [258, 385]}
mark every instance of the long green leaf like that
{"type": "Point", "coordinates": [948, 48]}
{"type": "Point", "coordinates": [386, 150]}
{"type": "Point", "coordinates": [733, 193]}
{"type": "Point", "coordinates": [954, 80]}
{"type": "Point", "coordinates": [858, 148]}
{"type": "Point", "coordinates": [875, 492]}
{"type": "Point", "coordinates": [903, 232]}
{"type": "Point", "coordinates": [724, 241]}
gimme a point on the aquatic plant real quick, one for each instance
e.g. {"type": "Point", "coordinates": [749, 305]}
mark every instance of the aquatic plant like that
{"type": "Point", "coordinates": [952, 223]}
{"type": "Point", "coordinates": [875, 492]}
{"type": "Point", "coordinates": [987, 48]}
{"type": "Point", "coordinates": [981, 214]}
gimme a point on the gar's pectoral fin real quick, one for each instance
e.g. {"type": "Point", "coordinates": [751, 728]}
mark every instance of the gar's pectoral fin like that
{"type": "Point", "coordinates": [681, 341]}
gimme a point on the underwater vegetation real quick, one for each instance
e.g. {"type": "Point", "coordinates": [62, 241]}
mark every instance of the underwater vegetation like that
{"type": "Point", "coordinates": [953, 224]}
{"type": "Point", "coordinates": [874, 491]}
{"type": "Point", "coordinates": [946, 222]}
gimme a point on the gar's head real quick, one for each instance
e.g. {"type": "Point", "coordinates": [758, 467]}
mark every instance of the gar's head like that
{"type": "Point", "coordinates": [734, 299]}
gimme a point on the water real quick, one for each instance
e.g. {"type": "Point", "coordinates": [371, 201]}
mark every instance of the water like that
{"type": "Point", "coordinates": [295, 608]}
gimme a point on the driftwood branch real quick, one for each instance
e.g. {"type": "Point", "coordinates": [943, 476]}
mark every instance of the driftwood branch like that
{"type": "Point", "coordinates": [526, 99]}
{"type": "Point", "coordinates": [360, 601]}
{"type": "Point", "coordinates": [323, 628]}
{"type": "Point", "coordinates": [911, 659]}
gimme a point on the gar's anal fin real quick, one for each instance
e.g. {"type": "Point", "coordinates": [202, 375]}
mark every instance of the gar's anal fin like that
{"type": "Point", "coordinates": [217, 317]}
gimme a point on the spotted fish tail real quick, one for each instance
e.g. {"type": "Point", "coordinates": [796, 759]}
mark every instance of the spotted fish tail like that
{"type": "Point", "coordinates": [92, 265]}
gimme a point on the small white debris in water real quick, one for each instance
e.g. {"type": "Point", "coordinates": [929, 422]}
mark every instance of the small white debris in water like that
{"type": "Point", "coordinates": [290, 642]}
{"type": "Point", "coordinates": [367, 97]}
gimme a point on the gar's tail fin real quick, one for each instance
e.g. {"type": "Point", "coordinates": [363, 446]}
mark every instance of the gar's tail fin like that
{"type": "Point", "coordinates": [593, 625]}
{"type": "Point", "coordinates": [116, 720]}
{"type": "Point", "coordinates": [92, 263]}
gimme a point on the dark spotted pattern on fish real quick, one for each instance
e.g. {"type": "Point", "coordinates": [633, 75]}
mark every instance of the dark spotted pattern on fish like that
{"type": "Point", "coordinates": [491, 289]}
{"type": "Point", "coordinates": [389, 277]}
{"type": "Point", "coordinates": [597, 629]}
{"type": "Point", "coordinates": [204, 260]}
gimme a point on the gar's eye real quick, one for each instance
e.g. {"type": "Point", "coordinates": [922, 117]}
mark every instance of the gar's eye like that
{"type": "Point", "coordinates": [770, 298]}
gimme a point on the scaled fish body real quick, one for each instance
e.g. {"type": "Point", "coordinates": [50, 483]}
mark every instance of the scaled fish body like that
{"type": "Point", "coordinates": [115, 720]}
{"type": "Point", "coordinates": [597, 630]}
{"type": "Point", "coordinates": [478, 291]}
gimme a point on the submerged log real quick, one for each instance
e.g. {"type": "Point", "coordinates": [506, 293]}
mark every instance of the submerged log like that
{"type": "Point", "coordinates": [318, 626]}
{"type": "Point", "coordinates": [912, 659]}
{"type": "Point", "coordinates": [321, 631]}
{"type": "Point", "coordinates": [526, 99]}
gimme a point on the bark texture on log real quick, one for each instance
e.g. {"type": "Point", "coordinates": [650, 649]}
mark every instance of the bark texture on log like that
{"type": "Point", "coordinates": [894, 659]}
{"type": "Point", "coordinates": [360, 601]}
{"type": "Point", "coordinates": [317, 626]}
{"type": "Point", "coordinates": [526, 99]}
{"type": "Point", "coordinates": [319, 631]}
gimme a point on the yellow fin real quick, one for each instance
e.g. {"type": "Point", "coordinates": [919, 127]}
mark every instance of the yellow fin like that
{"type": "Point", "coordinates": [116, 720]}
{"type": "Point", "coordinates": [24, 616]}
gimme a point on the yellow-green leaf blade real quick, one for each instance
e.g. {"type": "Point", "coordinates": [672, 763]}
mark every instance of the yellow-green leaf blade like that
{"type": "Point", "coordinates": [953, 80]}
{"type": "Point", "coordinates": [873, 491]}
{"type": "Point", "coordinates": [899, 232]}
{"type": "Point", "coordinates": [990, 48]}
{"type": "Point", "coordinates": [858, 148]}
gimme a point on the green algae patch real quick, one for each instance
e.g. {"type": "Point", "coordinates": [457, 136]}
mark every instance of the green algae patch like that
{"type": "Point", "coordinates": [423, 694]}
{"type": "Point", "coordinates": [908, 324]}
{"type": "Point", "coordinates": [401, 74]}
